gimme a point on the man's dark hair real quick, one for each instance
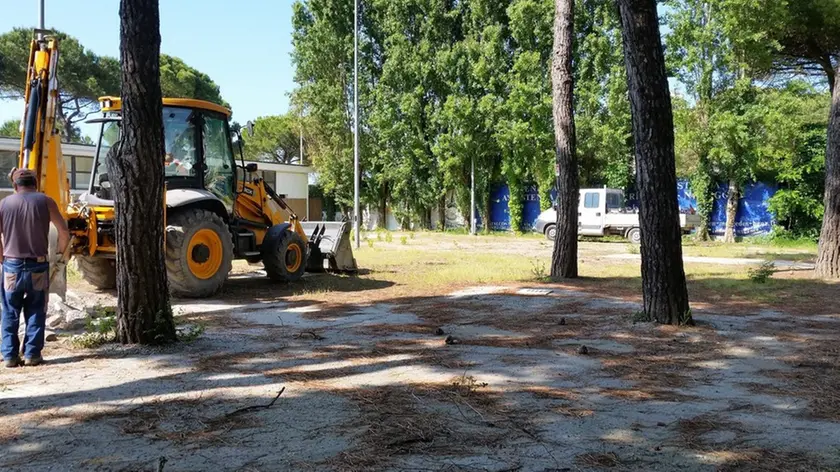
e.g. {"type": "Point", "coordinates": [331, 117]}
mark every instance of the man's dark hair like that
{"type": "Point", "coordinates": [26, 181]}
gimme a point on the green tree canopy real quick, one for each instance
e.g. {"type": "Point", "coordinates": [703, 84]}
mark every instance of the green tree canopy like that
{"type": "Point", "coordinates": [85, 76]}
{"type": "Point", "coordinates": [445, 84]}
{"type": "Point", "coordinates": [10, 129]}
{"type": "Point", "coordinates": [275, 139]}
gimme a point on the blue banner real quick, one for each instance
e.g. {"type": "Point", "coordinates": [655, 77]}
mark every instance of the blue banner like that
{"type": "Point", "coordinates": [499, 210]}
{"type": "Point", "coordinates": [752, 218]}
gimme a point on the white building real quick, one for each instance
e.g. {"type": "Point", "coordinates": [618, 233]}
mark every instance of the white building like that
{"type": "Point", "coordinates": [289, 180]}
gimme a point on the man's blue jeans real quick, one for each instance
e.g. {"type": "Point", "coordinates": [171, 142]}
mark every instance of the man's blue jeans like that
{"type": "Point", "coordinates": [25, 288]}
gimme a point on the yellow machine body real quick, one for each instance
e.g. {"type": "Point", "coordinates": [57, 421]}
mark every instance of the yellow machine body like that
{"type": "Point", "coordinates": [219, 210]}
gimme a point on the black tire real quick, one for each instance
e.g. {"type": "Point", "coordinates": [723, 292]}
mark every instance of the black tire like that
{"type": "Point", "coordinates": [284, 254]}
{"type": "Point", "coordinates": [98, 271]}
{"type": "Point", "coordinates": [635, 236]}
{"type": "Point", "coordinates": [181, 228]}
{"type": "Point", "coordinates": [550, 232]}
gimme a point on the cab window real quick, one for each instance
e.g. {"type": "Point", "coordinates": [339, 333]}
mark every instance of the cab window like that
{"type": "Point", "coordinates": [179, 134]}
{"type": "Point", "coordinates": [592, 200]}
{"type": "Point", "coordinates": [613, 201]}
{"type": "Point", "coordinates": [218, 158]}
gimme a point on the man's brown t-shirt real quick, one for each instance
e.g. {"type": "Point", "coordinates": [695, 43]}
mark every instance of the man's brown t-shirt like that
{"type": "Point", "coordinates": [25, 223]}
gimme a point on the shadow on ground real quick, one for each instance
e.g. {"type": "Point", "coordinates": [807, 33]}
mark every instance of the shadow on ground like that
{"type": "Point", "coordinates": [483, 378]}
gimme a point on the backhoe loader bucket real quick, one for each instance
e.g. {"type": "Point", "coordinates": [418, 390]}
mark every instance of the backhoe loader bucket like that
{"type": "Point", "coordinates": [329, 247]}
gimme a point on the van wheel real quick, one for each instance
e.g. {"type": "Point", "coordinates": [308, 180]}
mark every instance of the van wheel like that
{"type": "Point", "coordinates": [551, 232]}
{"type": "Point", "coordinates": [635, 236]}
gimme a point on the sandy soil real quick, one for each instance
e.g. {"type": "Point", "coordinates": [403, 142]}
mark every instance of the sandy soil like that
{"type": "Point", "coordinates": [479, 378]}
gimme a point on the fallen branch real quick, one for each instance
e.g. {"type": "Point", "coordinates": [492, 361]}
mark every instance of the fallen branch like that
{"type": "Point", "coordinates": [256, 407]}
{"type": "Point", "coordinates": [314, 335]}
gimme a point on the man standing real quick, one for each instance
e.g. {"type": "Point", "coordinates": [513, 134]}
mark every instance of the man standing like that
{"type": "Point", "coordinates": [25, 224]}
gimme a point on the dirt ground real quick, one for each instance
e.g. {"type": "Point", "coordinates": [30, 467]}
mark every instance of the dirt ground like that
{"type": "Point", "coordinates": [452, 353]}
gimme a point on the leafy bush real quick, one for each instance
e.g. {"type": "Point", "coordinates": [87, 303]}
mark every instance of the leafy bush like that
{"type": "Point", "coordinates": [762, 273]}
{"type": "Point", "coordinates": [538, 269]}
{"type": "Point", "coordinates": [189, 333]}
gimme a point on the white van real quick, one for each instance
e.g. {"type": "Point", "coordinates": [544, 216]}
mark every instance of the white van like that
{"type": "Point", "coordinates": [601, 212]}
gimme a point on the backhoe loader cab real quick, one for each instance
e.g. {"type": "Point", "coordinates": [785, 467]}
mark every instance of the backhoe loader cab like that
{"type": "Point", "coordinates": [216, 210]}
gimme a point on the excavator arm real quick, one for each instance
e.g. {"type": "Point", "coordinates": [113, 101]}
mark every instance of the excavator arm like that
{"type": "Point", "coordinates": [40, 144]}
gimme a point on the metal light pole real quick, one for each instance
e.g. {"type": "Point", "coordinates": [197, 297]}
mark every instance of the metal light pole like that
{"type": "Point", "coordinates": [41, 18]}
{"type": "Point", "coordinates": [472, 196]}
{"type": "Point", "coordinates": [357, 220]}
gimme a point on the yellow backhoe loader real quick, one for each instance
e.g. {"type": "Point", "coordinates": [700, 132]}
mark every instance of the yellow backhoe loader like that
{"type": "Point", "coordinates": [216, 210]}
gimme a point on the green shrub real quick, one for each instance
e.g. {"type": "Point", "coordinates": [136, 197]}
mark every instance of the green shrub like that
{"type": "Point", "coordinates": [762, 273]}
{"type": "Point", "coordinates": [538, 270]}
{"type": "Point", "coordinates": [641, 317]}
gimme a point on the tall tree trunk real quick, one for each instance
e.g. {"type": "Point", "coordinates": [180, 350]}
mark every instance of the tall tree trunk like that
{"type": "Point", "coordinates": [383, 208]}
{"type": "Point", "coordinates": [828, 257]}
{"type": "Point", "coordinates": [442, 213]}
{"type": "Point", "coordinates": [66, 126]}
{"type": "Point", "coordinates": [564, 259]}
{"type": "Point", "coordinates": [703, 189]}
{"type": "Point", "coordinates": [136, 171]}
{"type": "Point", "coordinates": [732, 198]}
{"type": "Point", "coordinates": [486, 215]}
{"type": "Point", "coordinates": [663, 277]}
{"type": "Point", "coordinates": [702, 182]}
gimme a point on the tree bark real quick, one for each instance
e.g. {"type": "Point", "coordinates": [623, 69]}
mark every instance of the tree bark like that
{"type": "Point", "coordinates": [486, 215]}
{"type": "Point", "coordinates": [136, 172]}
{"type": "Point", "coordinates": [564, 259]}
{"type": "Point", "coordinates": [664, 292]}
{"type": "Point", "coordinates": [442, 213]}
{"type": "Point", "coordinates": [828, 257]}
{"type": "Point", "coordinates": [732, 198]}
{"type": "Point", "coordinates": [383, 209]}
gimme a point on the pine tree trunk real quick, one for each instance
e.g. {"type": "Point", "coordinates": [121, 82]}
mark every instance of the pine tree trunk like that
{"type": "Point", "coordinates": [734, 195]}
{"type": "Point", "coordinates": [828, 258]}
{"type": "Point", "coordinates": [703, 189]}
{"type": "Point", "coordinates": [486, 216]}
{"type": "Point", "coordinates": [383, 209]}
{"type": "Point", "coordinates": [136, 172]}
{"type": "Point", "coordinates": [663, 278]}
{"type": "Point", "coordinates": [442, 213]}
{"type": "Point", "coordinates": [564, 259]}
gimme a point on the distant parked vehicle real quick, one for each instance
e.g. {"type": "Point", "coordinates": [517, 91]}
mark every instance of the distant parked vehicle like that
{"type": "Point", "coordinates": [601, 212]}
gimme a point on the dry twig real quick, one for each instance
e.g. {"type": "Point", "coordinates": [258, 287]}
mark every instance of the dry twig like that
{"type": "Point", "coordinates": [256, 407]}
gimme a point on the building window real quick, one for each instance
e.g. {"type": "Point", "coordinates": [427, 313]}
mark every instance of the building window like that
{"type": "Point", "coordinates": [82, 180]}
{"type": "Point", "coordinates": [83, 164]}
{"type": "Point", "coordinates": [270, 176]}
{"type": "Point", "coordinates": [82, 167]}
{"type": "Point", "coordinates": [8, 161]}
